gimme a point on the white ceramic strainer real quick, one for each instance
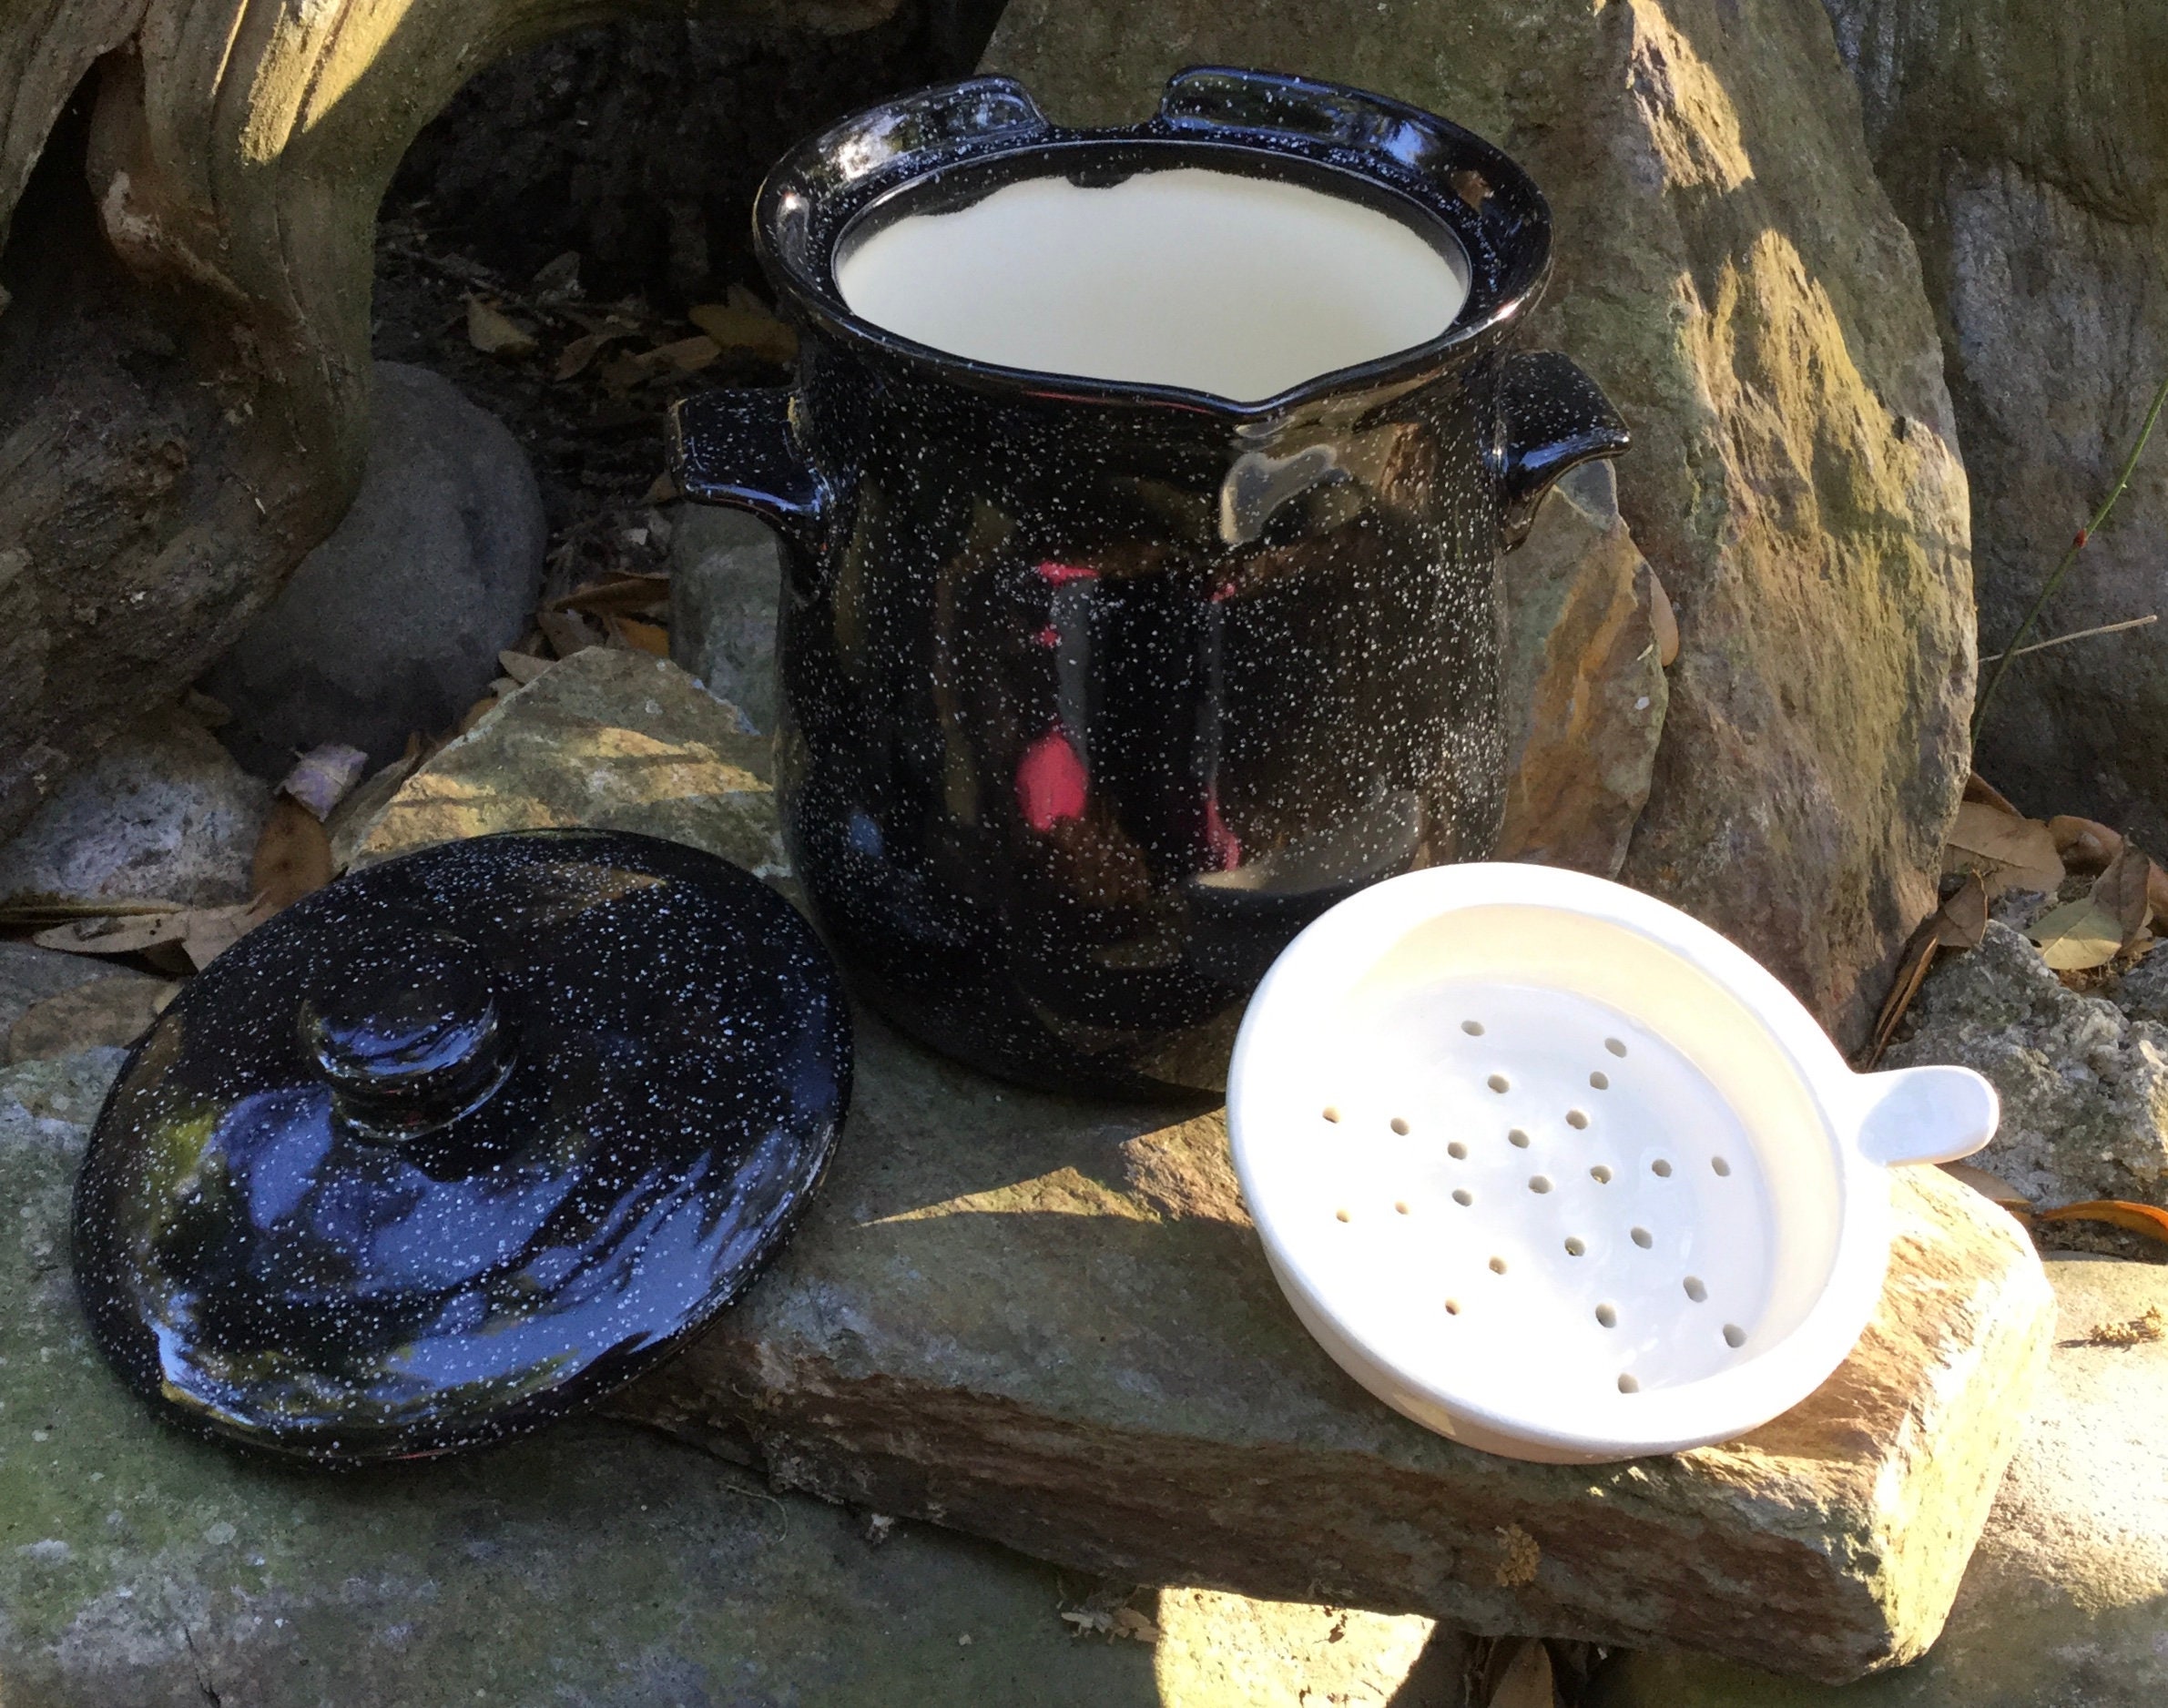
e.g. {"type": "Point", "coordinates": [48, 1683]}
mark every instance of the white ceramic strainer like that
{"type": "Point", "coordinates": [1559, 1171]}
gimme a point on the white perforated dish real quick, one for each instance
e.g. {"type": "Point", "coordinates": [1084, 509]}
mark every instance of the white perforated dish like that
{"type": "Point", "coordinates": [1559, 1171]}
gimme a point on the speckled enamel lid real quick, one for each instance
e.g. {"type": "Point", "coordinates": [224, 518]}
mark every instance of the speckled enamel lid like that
{"type": "Point", "coordinates": [460, 1144]}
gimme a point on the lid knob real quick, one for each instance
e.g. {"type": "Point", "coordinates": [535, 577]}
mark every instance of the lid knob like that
{"type": "Point", "coordinates": [408, 1034]}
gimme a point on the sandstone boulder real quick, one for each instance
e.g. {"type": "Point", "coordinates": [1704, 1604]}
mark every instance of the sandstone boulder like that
{"type": "Point", "coordinates": [2027, 148]}
{"type": "Point", "coordinates": [1728, 269]}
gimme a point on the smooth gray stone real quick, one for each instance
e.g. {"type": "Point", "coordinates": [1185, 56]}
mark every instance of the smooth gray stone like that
{"type": "Point", "coordinates": [393, 625]}
{"type": "Point", "coordinates": [726, 577]}
{"type": "Point", "coordinates": [163, 813]}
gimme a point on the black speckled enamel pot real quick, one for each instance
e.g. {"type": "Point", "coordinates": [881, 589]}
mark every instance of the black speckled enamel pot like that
{"type": "Point", "coordinates": [1095, 694]}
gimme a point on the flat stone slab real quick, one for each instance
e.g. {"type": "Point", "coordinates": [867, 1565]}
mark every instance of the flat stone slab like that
{"type": "Point", "coordinates": [1050, 1323]}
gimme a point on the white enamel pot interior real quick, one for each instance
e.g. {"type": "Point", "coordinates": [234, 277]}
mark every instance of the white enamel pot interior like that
{"type": "Point", "coordinates": [1559, 1171]}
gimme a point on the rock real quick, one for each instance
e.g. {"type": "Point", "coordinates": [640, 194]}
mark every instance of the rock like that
{"type": "Point", "coordinates": [725, 578]}
{"type": "Point", "coordinates": [1584, 692]}
{"type": "Point", "coordinates": [1230, 1651]}
{"type": "Point", "coordinates": [2063, 1606]}
{"type": "Point", "coordinates": [393, 625]}
{"type": "Point", "coordinates": [1050, 1323]}
{"type": "Point", "coordinates": [2028, 151]}
{"type": "Point", "coordinates": [163, 812]}
{"type": "Point", "coordinates": [1729, 272]}
{"type": "Point", "coordinates": [98, 1014]}
{"type": "Point", "coordinates": [615, 740]}
{"type": "Point", "coordinates": [29, 975]}
{"type": "Point", "coordinates": [594, 1566]}
{"type": "Point", "coordinates": [2084, 1088]}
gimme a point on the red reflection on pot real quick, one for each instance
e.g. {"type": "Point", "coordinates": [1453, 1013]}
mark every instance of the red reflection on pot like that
{"type": "Point", "coordinates": [1051, 782]}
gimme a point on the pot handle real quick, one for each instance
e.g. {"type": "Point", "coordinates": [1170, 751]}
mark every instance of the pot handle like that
{"type": "Point", "coordinates": [1551, 417]}
{"type": "Point", "coordinates": [1925, 1114]}
{"type": "Point", "coordinates": [741, 449]}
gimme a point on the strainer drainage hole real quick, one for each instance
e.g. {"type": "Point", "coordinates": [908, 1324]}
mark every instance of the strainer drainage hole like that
{"type": "Point", "coordinates": [1608, 1314]}
{"type": "Point", "coordinates": [1462, 1195]}
{"type": "Point", "coordinates": [1517, 1139]}
{"type": "Point", "coordinates": [1734, 1336]}
{"type": "Point", "coordinates": [1539, 1182]}
{"type": "Point", "coordinates": [1577, 1119]}
{"type": "Point", "coordinates": [1457, 1151]}
{"type": "Point", "coordinates": [1719, 1165]}
{"type": "Point", "coordinates": [1402, 1205]}
{"type": "Point", "coordinates": [1498, 1083]}
{"type": "Point", "coordinates": [1576, 1248]}
{"type": "Point", "coordinates": [1660, 1168]}
{"type": "Point", "coordinates": [1602, 1082]}
{"type": "Point", "coordinates": [1617, 1046]}
{"type": "Point", "coordinates": [1331, 1112]}
{"type": "Point", "coordinates": [1473, 1028]}
{"type": "Point", "coordinates": [1342, 1216]}
{"type": "Point", "coordinates": [1643, 1239]}
{"type": "Point", "coordinates": [1498, 1265]}
{"type": "Point", "coordinates": [1600, 1174]}
{"type": "Point", "coordinates": [1400, 1125]}
{"type": "Point", "coordinates": [1696, 1289]}
{"type": "Point", "coordinates": [1627, 1385]}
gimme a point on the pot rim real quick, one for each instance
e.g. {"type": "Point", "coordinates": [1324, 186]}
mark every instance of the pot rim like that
{"type": "Point", "coordinates": [815, 195]}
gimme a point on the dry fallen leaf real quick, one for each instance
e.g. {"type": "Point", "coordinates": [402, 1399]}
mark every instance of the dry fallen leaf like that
{"type": "Point", "coordinates": [123, 935]}
{"type": "Point", "coordinates": [688, 355]}
{"type": "Point", "coordinates": [741, 326]}
{"type": "Point", "coordinates": [213, 931]}
{"type": "Point", "coordinates": [2133, 1218]}
{"type": "Point", "coordinates": [475, 713]}
{"type": "Point", "coordinates": [567, 632]}
{"type": "Point", "coordinates": [1525, 1680]}
{"type": "Point", "coordinates": [634, 593]}
{"type": "Point", "coordinates": [630, 635]}
{"type": "Point", "coordinates": [491, 333]}
{"type": "Point", "coordinates": [2122, 891]}
{"type": "Point", "coordinates": [293, 855]}
{"type": "Point", "coordinates": [2085, 846]}
{"type": "Point", "coordinates": [2149, 1325]}
{"type": "Point", "coordinates": [323, 777]}
{"type": "Point", "coordinates": [523, 668]}
{"type": "Point", "coordinates": [574, 359]}
{"type": "Point", "coordinates": [1665, 620]}
{"type": "Point", "coordinates": [2007, 851]}
{"type": "Point", "coordinates": [1130, 1623]}
{"type": "Point", "coordinates": [22, 912]}
{"type": "Point", "coordinates": [2077, 935]}
{"type": "Point", "coordinates": [1959, 923]}
{"type": "Point", "coordinates": [1978, 788]}
{"type": "Point", "coordinates": [1992, 1187]}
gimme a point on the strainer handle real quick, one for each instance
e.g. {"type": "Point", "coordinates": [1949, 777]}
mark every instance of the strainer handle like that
{"type": "Point", "coordinates": [1925, 1114]}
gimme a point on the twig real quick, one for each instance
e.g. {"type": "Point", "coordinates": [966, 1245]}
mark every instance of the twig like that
{"type": "Point", "coordinates": [2070, 556]}
{"type": "Point", "coordinates": [2084, 633]}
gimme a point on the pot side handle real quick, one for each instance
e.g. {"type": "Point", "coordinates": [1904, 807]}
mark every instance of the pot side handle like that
{"type": "Point", "coordinates": [1551, 417]}
{"type": "Point", "coordinates": [1925, 1114]}
{"type": "Point", "coordinates": [741, 449]}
